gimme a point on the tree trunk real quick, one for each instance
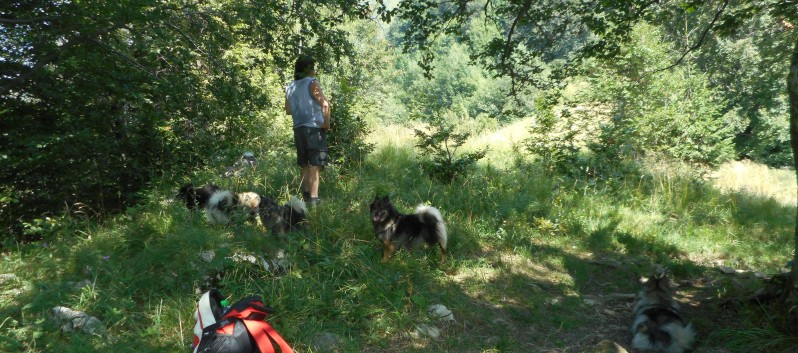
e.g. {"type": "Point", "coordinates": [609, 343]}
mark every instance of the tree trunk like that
{"type": "Point", "coordinates": [791, 291]}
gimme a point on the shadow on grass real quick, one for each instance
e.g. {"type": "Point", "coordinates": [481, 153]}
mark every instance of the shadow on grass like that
{"type": "Point", "coordinates": [516, 280]}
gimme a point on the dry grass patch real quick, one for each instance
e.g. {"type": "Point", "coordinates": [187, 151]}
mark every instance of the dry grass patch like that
{"type": "Point", "coordinates": [391, 134]}
{"type": "Point", "coordinates": [758, 180]}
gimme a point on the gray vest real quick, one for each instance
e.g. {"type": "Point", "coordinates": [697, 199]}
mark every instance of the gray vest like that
{"type": "Point", "coordinates": [305, 110]}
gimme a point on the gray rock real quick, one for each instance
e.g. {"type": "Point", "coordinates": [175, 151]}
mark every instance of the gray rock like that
{"type": "Point", "coordinates": [440, 313]}
{"type": "Point", "coordinates": [326, 342]}
{"type": "Point", "coordinates": [425, 330]}
{"type": "Point", "coordinates": [78, 321]}
{"type": "Point", "coordinates": [7, 277]}
{"type": "Point", "coordinates": [239, 257]}
{"type": "Point", "coordinates": [728, 270]}
{"type": "Point", "coordinates": [607, 346]}
{"type": "Point", "coordinates": [207, 256]}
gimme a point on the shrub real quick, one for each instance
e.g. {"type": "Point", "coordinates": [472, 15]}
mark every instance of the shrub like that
{"type": "Point", "coordinates": [443, 161]}
{"type": "Point", "coordinates": [672, 112]}
{"type": "Point", "coordinates": [347, 139]}
{"type": "Point", "coordinates": [552, 139]}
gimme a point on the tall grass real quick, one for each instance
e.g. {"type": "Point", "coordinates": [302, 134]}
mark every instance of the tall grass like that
{"type": "Point", "coordinates": [521, 257]}
{"type": "Point", "coordinates": [757, 180]}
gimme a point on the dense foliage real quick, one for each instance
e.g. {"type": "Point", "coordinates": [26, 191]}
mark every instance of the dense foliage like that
{"type": "Point", "coordinates": [675, 113]}
{"type": "Point", "coordinates": [101, 97]}
{"type": "Point", "coordinates": [117, 94]}
{"type": "Point", "coordinates": [724, 63]}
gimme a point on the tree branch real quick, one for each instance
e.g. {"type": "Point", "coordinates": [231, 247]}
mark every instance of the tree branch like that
{"type": "Point", "coordinates": [52, 57]}
{"type": "Point", "coordinates": [697, 44]}
{"type": "Point", "coordinates": [124, 57]}
{"type": "Point", "coordinates": [25, 21]}
{"type": "Point", "coordinates": [508, 48]}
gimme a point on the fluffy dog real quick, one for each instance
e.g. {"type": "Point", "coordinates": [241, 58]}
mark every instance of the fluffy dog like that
{"type": "Point", "coordinates": [215, 202]}
{"type": "Point", "coordinates": [219, 207]}
{"type": "Point", "coordinates": [394, 229]}
{"type": "Point", "coordinates": [658, 324]}
{"type": "Point", "coordinates": [250, 202]}
{"type": "Point", "coordinates": [281, 219]}
{"type": "Point", "coordinates": [196, 197]}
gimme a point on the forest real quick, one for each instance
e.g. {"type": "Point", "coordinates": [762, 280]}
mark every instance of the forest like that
{"type": "Point", "coordinates": [573, 148]}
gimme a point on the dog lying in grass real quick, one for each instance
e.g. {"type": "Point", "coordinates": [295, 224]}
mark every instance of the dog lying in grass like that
{"type": "Point", "coordinates": [280, 219]}
{"type": "Point", "coordinates": [218, 204]}
{"type": "Point", "coordinates": [215, 202]}
{"type": "Point", "coordinates": [250, 202]}
{"type": "Point", "coordinates": [659, 325]}
{"type": "Point", "coordinates": [395, 230]}
{"type": "Point", "coordinates": [196, 197]}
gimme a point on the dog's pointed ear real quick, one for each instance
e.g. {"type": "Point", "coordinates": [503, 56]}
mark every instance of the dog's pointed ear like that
{"type": "Point", "coordinates": [663, 283]}
{"type": "Point", "coordinates": [185, 190]}
{"type": "Point", "coordinates": [386, 199]}
{"type": "Point", "coordinates": [649, 283]}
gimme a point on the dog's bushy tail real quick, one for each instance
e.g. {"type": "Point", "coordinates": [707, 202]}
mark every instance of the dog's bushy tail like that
{"type": "Point", "coordinates": [673, 337]}
{"type": "Point", "coordinates": [217, 207]}
{"type": "Point", "coordinates": [682, 337]}
{"type": "Point", "coordinates": [297, 205]}
{"type": "Point", "coordinates": [432, 216]}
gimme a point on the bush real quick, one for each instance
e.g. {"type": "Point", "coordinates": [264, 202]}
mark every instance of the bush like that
{"type": "Point", "coordinates": [347, 138]}
{"type": "Point", "coordinates": [552, 139]}
{"type": "Point", "coordinates": [443, 161]}
{"type": "Point", "coordinates": [674, 113]}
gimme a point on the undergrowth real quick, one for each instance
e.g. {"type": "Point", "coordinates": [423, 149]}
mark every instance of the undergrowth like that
{"type": "Point", "coordinates": [522, 259]}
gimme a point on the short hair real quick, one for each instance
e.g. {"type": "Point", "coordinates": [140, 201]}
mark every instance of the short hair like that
{"type": "Point", "coordinates": [303, 66]}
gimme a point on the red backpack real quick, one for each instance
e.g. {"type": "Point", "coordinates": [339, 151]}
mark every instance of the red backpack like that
{"type": "Point", "coordinates": [241, 328]}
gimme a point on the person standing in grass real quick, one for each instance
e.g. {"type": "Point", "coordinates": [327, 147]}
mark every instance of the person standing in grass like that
{"type": "Point", "coordinates": [310, 110]}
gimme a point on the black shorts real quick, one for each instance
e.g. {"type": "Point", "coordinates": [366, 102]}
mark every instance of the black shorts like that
{"type": "Point", "coordinates": [311, 146]}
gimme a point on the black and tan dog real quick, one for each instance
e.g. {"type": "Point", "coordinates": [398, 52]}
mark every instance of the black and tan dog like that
{"type": "Point", "coordinates": [280, 219]}
{"type": "Point", "coordinates": [395, 230]}
{"type": "Point", "coordinates": [196, 197]}
{"type": "Point", "coordinates": [659, 325]}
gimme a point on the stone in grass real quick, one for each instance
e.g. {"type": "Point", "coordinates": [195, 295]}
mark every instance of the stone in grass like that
{"type": "Point", "coordinates": [277, 264]}
{"type": "Point", "coordinates": [607, 346]}
{"type": "Point", "coordinates": [326, 342]}
{"type": "Point", "coordinates": [78, 321]}
{"type": "Point", "coordinates": [440, 313]}
{"type": "Point", "coordinates": [7, 277]}
{"type": "Point", "coordinates": [425, 330]}
{"type": "Point", "coordinates": [729, 270]}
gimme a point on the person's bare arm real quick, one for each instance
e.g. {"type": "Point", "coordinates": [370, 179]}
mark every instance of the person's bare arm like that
{"type": "Point", "coordinates": [287, 107]}
{"type": "Point", "coordinates": [318, 95]}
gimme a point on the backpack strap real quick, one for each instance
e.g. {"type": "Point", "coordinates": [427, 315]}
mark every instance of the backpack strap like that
{"type": "Point", "coordinates": [253, 313]}
{"type": "Point", "coordinates": [264, 334]}
{"type": "Point", "coordinates": [254, 303]}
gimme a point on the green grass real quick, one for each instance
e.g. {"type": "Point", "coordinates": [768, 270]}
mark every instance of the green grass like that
{"type": "Point", "coordinates": [522, 260]}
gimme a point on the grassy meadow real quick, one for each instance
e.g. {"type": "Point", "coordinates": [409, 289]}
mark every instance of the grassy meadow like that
{"type": "Point", "coordinates": [537, 262]}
